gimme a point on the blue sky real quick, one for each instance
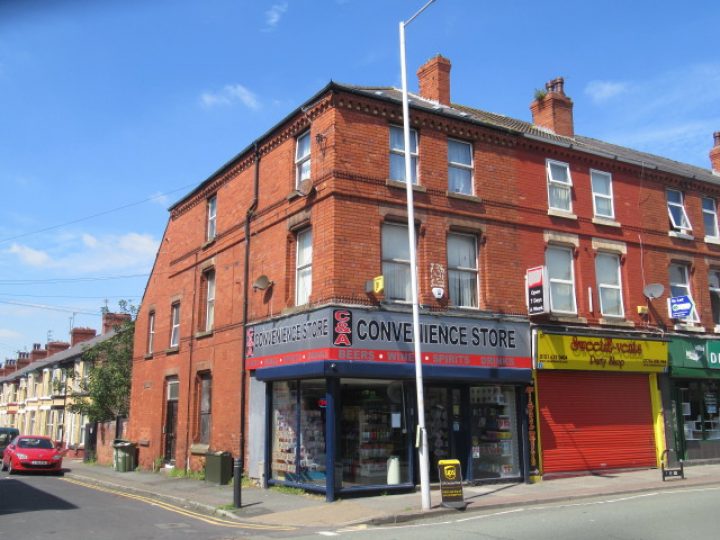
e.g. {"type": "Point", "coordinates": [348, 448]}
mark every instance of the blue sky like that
{"type": "Point", "coordinates": [111, 110]}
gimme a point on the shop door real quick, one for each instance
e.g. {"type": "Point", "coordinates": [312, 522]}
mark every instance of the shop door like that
{"type": "Point", "coordinates": [170, 428]}
{"type": "Point", "coordinates": [595, 421]}
{"type": "Point", "coordinates": [447, 433]}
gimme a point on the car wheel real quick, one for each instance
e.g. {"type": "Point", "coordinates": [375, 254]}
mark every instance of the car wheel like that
{"type": "Point", "coordinates": [3, 467]}
{"type": "Point", "coordinates": [10, 467]}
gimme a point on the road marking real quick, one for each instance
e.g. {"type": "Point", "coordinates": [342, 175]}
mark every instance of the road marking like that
{"type": "Point", "coordinates": [183, 511]}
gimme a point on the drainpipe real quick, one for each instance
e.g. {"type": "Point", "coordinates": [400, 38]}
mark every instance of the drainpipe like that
{"type": "Point", "coordinates": [240, 461]}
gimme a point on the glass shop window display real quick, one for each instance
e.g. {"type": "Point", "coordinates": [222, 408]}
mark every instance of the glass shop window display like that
{"type": "Point", "coordinates": [493, 432]}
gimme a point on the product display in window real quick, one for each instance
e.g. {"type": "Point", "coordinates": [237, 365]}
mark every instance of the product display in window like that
{"type": "Point", "coordinates": [493, 431]}
{"type": "Point", "coordinates": [284, 431]}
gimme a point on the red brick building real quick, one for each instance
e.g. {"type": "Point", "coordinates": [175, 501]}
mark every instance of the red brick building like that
{"type": "Point", "coordinates": [261, 334]}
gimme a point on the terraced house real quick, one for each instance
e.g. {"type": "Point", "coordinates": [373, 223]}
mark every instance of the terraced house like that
{"type": "Point", "coordinates": [276, 322]}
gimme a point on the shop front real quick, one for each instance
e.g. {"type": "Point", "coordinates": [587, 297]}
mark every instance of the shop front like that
{"type": "Point", "coordinates": [341, 404]}
{"type": "Point", "coordinates": [695, 391]}
{"type": "Point", "coordinates": [598, 401]}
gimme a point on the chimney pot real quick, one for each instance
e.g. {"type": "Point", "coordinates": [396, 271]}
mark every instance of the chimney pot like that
{"type": "Point", "coordinates": [434, 79]}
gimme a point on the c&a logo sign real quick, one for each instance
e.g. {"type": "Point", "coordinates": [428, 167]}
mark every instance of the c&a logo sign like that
{"type": "Point", "coordinates": [342, 328]}
{"type": "Point", "coordinates": [250, 343]}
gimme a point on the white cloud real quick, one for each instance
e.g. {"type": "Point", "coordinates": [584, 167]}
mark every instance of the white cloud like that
{"type": "Point", "coordinates": [9, 334]}
{"type": "Point", "coordinates": [601, 91]}
{"type": "Point", "coordinates": [29, 256]}
{"type": "Point", "coordinates": [231, 93]}
{"type": "Point", "coordinates": [89, 240]}
{"type": "Point", "coordinates": [274, 14]}
{"type": "Point", "coordinates": [161, 199]}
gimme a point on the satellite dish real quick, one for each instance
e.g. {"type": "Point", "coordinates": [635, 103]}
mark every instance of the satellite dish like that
{"type": "Point", "coordinates": [262, 283]}
{"type": "Point", "coordinates": [653, 290]}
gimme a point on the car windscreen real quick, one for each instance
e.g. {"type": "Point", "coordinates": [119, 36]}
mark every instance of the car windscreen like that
{"type": "Point", "coordinates": [35, 443]}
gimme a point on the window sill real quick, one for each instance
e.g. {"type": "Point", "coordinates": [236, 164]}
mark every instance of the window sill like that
{"type": "Point", "coordinates": [463, 196]}
{"type": "Point", "coordinates": [198, 448]}
{"type": "Point", "coordinates": [172, 350]}
{"type": "Point", "coordinates": [204, 334]}
{"type": "Point", "coordinates": [607, 222]}
{"type": "Point", "coordinates": [712, 240]}
{"type": "Point", "coordinates": [717, 329]}
{"type": "Point", "coordinates": [690, 328]}
{"type": "Point", "coordinates": [680, 235]}
{"type": "Point", "coordinates": [209, 243]}
{"type": "Point", "coordinates": [148, 356]}
{"type": "Point", "coordinates": [567, 318]}
{"type": "Point", "coordinates": [609, 321]}
{"type": "Point", "coordinates": [401, 185]}
{"type": "Point", "coordinates": [561, 213]}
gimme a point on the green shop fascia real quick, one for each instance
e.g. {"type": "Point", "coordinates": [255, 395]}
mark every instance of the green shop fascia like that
{"type": "Point", "coordinates": [695, 392]}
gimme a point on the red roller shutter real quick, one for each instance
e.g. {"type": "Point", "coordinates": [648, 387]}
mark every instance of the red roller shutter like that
{"type": "Point", "coordinates": [595, 421]}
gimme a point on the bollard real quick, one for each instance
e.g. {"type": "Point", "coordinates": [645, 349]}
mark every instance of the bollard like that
{"type": "Point", "coordinates": [237, 483]}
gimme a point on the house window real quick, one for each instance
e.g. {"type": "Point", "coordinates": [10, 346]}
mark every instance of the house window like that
{"type": "Point", "coordinates": [397, 154]}
{"type": "Point", "coordinates": [462, 270]}
{"type": "Point", "coordinates": [676, 211]}
{"type": "Point", "coordinates": [206, 318]}
{"type": "Point", "coordinates": [151, 332]}
{"type": "Point", "coordinates": [559, 261]}
{"type": "Point", "coordinates": [211, 218]}
{"type": "Point", "coordinates": [602, 194]}
{"type": "Point", "coordinates": [175, 325]}
{"type": "Point", "coordinates": [302, 158]}
{"type": "Point", "coordinates": [303, 268]}
{"type": "Point", "coordinates": [559, 186]}
{"type": "Point", "coordinates": [50, 425]}
{"type": "Point", "coordinates": [460, 167]}
{"type": "Point", "coordinates": [710, 217]}
{"type": "Point", "coordinates": [396, 262]}
{"type": "Point", "coordinates": [714, 281]}
{"type": "Point", "coordinates": [607, 272]}
{"type": "Point", "coordinates": [205, 407]}
{"type": "Point", "coordinates": [680, 286]}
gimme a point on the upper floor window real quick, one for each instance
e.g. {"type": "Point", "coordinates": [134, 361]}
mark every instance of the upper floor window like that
{"type": "Point", "coordinates": [602, 194]}
{"type": "Point", "coordinates": [175, 325]}
{"type": "Point", "coordinates": [151, 333]}
{"type": "Point", "coordinates": [559, 186]}
{"type": "Point", "coordinates": [714, 282]}
{"type": "Point", "coordinates": [397, 154]}
{"type": "Point", "coordinates": [211, 218]}
{"type": "Point", "coordinates": [204, 393]}
{"type": "Point", "coordinates": [559, 262]}
{"type": "Point", "coordinates": [303, 267]}
{"type": "Point", "coordinates": [207, 320]}
{"type": "Point", "coordinates": [680, 286]}
{"type": "Point", "coordinates": [462, 270]}
{"type": "Point", "coordinates": [676, 211]}
{"type": "Point", "coordinates": [710, 219]}
{"type": "Point", "coordinates": [460, 167]}
{"type": "Point", "coordinates": [607, 272]}
{"type": "Point", "coordinates": [396, 262]}
{"type": "Point", "coordinates": [302, 158]}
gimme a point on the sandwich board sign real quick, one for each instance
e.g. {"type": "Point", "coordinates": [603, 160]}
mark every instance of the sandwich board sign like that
{"type": "Point", "coordinates": [451, 490]}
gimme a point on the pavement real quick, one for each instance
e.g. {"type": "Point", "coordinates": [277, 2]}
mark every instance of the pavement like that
{"type": "Point", "coordinates": [277, 507]}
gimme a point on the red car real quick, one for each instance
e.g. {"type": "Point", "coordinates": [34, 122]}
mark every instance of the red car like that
{"type": "Point", "coordinates": [32, 453]}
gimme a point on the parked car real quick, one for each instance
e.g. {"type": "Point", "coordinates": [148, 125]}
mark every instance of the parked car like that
{"type": "Point", "coordinates": [32, 453]}
{"type": "Point", "coordinates": [7, 434]}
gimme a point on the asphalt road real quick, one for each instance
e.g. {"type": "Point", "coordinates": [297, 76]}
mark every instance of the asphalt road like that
{"type": "Point", "coordinates": [34, 507]}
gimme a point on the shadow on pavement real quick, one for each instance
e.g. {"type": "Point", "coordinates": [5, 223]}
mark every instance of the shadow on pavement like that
{"type": "Point", "coordinates": [17, 497]}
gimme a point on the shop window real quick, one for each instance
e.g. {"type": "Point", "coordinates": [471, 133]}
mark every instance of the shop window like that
{"type": "Point", "coordinates": [397, 154]}
{"type": "Point", "coordinates": [602, 194]}
{"type": "Point", "coordinates": [303, 267]}
{"type": "Point", "coordinates": [680, 286]}
{"type": "Point", "coordinates": [559, 186]}
{"type": "Point", "coordinates": [211, 218]}
{"type": "Point", "coordinates": [607, 272]}
{"type": "Point", "coordinates": [559, 261]}
{"type": "Point", "coordinates": [396, 262]}
{"type": "Point", "coordinates": [462, 270]}
{"type": "Point", "coordinates": [699, 408]}
{"type": "Point", "coordinates": [460, 167]}
{"type": "Point", "coordinates": [302, 159]}
{"type": "Point", "coordinates": [714, 281]}
{"type": "Point", "coordinates": [204, 396]}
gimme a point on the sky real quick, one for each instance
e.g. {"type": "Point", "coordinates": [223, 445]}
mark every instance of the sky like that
{"type": "Point", "coordinates": [112, 110]}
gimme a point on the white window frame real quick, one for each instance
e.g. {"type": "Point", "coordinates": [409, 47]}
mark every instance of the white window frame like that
{"type": "Point", "coordinates": [211, 218]}
{"type": "Point", "coordinates": [611, 286]}
{"type": "Point", "coordinates": [302, 161]}
{"type": "Point", "coordinates": [390, 260]}
{"type": "Point", "coordinates": [558, 184]}
{"type": "Point", "coordinates": [553, 281]}
{"type": "Point", "coordinates": [175, 325]}
{"type": "Point", "coordinates": [209, 299]}
{"type": "Point", "coordinates": [684, 220]}
{"type": "Point", "coordinates": [468, 167]}
{"type": "Point", "coordinates": [712, 215]}
{"type": "Point", "coordinates": [686, 291]}
{"type": "Point", "coordinates": [472, 294]}
{"type": "Point", "coordinates": [400, 151]}
{"type": "Point", "coordinates": [303, 267]}
{"type": "Point", "coordinates": [716, 292]}
{"type": "Point", "coordinates": [598, 195]}
{"type": "Point", "coordinates": [151, 333]}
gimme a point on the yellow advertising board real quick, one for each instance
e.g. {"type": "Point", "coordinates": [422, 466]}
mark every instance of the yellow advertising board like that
{"type": "Point", "coordinates": [596, 353]}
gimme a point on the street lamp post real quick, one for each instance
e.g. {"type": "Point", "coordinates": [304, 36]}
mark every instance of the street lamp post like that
{"type": "Point", "coordinates": [423, 448]}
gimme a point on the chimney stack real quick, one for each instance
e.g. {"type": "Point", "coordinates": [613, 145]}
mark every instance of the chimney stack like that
{"type": "Point", "coordinates": [37, 353]}
{"type": "Point", "coordinates": [79, 335]}
{"type": "Point", "coordinates": [54, 347]}
{"type": "Point", "coordinates": [434, 80]}
{"type": "Point", "coordinates": [554, 110]}
{"type": "Point", "coordinates": [715, 153]}
{"type": "Point", "coordinates": [111, 320]}
{"type": "Point", "coordinates": [23, 360]}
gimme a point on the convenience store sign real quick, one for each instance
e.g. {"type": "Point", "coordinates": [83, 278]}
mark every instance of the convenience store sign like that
{"type": "Point", "coordinates": [346, 334]}
{"type": "Point", "coordinates": [595, 353]}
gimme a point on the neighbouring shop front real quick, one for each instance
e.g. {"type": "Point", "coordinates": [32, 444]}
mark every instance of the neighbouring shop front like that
{"type": "Point", "coordinates": [598, 401]}
{"type": "Point", "coordinates": [341, 397]}
{"type": "Point", "coordinates": [695, 391]}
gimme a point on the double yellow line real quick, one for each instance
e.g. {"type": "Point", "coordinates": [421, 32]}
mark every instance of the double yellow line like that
{"type": "Point", "coordinates": [182, 511]}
